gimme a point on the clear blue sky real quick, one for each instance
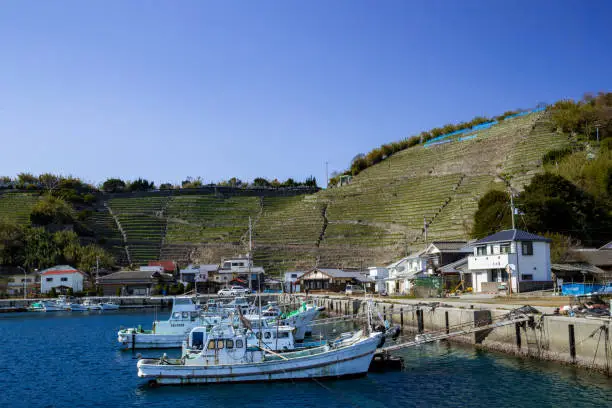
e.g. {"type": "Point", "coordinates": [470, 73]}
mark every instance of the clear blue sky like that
{"type": "Point", "coordinates": [169, 89]}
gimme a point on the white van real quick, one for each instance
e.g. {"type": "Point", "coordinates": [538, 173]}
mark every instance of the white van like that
{"type": "Point", "coordinates": [354, 289]}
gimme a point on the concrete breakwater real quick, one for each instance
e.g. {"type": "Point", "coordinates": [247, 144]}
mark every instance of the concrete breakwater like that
{"type": "Point", "coordinates": [581, 341]}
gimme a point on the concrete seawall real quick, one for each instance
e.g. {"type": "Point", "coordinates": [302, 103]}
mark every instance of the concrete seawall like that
{"type": "Point", "coordinates": [581, 341]}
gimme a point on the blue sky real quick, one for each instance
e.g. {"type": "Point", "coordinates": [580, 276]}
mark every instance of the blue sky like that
{"type": "Point", "coordinates": [170, 89]}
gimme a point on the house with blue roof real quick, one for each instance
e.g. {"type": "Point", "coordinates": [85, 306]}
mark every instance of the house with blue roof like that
{"type": "Point", "coordinates": [510, 259]}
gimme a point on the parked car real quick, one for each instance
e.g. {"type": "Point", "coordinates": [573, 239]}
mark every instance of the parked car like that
{"type": "Point", "coordinates": [239, 291]}
{"type": "Point", "coordinates": [225, 292]}
{"type": "Point", "coordinates": [354, 289]}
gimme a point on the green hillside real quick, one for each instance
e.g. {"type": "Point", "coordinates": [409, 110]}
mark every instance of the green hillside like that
{"type": "Point", "coordinates": [373, 220]}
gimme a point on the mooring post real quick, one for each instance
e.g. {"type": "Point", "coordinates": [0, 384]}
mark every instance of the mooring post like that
{"type": "Point", "coordinates": [446, 319]}
{"type": "Point", "coordinates": [384, 312]}
{"type": "Point", "coordinates": [572, 342]}
{"type": "Point", "coordinates": [402, 319]}
{"type": "Point", "coordinates": [420, 320]}
{"type": "Point", "coordinates": [517, 327]}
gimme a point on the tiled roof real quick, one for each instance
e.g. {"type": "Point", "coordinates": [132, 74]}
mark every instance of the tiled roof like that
{"type": "Point", "coordinates": [511, 235]}
{"type": "Point", "coordinates": [576, 267]}
{"type": "Point", "coordinates": [133, 276]}
{"type": "Point", "coordinates": [450, 246]}
{"type": "Point", "coordinates": [597, 257]}
{"type": "Point", "coordinates": [60, 270]}
{"type": "Point", "coordinates": [452, 267]}
{"type": "Point", "coordinates": [169, 266]}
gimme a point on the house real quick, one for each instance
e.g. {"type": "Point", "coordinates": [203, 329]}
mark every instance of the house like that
{"type": "Point", "coordinates": [514, 256]}
{"type": "Point", "coordinates": [440, 253]}
{"type": "Point", "coordinates": [585, 265]}
{"type": "Point", "coordinates": [456, 275]}
{"type": "Point", "coordinates": [379, 274]}
{"type": "Point", "coordinates": [333, 280]}
{"type": "Point", "coordinates": [402, 272]}
{"type": "Point", "coordinates": [169, 266]}
{"type": "Point", "coordinates": [238, 271]}
{"type": "Point", "coordinates": [197, 273]}
{"type": "Point", "coordinates": [133, 282]}
{"type": "Point", "coordinates": [291, 282]}
{"type": "Point", "coordinates": [17, 284]}
{"type": "Point", "coordinates": [62, 278]}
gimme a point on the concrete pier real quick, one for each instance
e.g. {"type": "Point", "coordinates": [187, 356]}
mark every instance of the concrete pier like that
{"type": "Point", "coordinates": [573, 340]}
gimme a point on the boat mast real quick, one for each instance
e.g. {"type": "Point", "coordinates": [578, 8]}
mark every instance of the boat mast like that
{"type": "Point", "coordinates": [250, 256]}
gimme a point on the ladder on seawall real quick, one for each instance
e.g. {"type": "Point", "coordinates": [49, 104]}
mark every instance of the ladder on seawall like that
{"type": "Point", "coordinates": [436, 336]}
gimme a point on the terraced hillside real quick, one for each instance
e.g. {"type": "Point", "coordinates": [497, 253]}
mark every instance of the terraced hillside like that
{"type": "Point", "coordinates": [17, 206]}
{"type": "Point", "coordinates": [378, 217]}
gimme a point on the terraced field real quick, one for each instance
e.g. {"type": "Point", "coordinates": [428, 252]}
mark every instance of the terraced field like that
{"type": "Point", "coordinates": [378, 217]}
{"type": "Point", "coordinates": [17, 206]}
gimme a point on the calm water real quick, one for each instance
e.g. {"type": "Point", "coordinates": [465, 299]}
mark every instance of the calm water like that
{"type": "Point", "coordinates": [72, 360]}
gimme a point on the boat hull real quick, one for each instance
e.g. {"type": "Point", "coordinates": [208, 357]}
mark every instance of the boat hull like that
{"type": "Point", "coordinates": [132, 340]}
{"type": "Point", "coordinates": [348, 361]}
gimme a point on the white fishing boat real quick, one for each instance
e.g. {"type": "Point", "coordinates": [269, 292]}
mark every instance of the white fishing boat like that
{"type": "Point", "coordinates": [36, 307]}
{"type": "Point", "coordinates": [109, 306]}
{"type": "Point", "coordinates": [186, 315]}
{"type": "Point", "coordinates": [91, 305]}
{"type": "Point", "coordinates": [226, 357]}
{"type": "Point", "coordinates": [170, 333]}
{"type": "Point", "coordinates": [78, 307]}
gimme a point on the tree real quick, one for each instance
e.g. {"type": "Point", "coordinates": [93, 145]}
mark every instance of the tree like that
{"type": "Point", "coordinates": [141, 185]}
{"type": "Point", "coordinates": [166, 186]}
{"type": "Point", "coordinates": [25, 179]}
{"type": "Point", "coordinates": [493, 214]}
{"type": "Point", "coordinates": [551, 203]}
{"type": "Point", "coordinates": [261, 182]}
{"type": "Point", "coordinates": [49, 181]}
{"type": "Point", "coordinates": [40, 251]}
{"type": "Point", "coordinates": [91, 256]}
{"type": "Point", "coordinates": [52, 210]}
{"type": "Point", "coordinates": [12, 243]}
{"type": "Point", "coordinates": [52, 293]}
{"type": "Point", "coordinates": [113, 185]}
{"type": "Point", "coordinates": [191, 182]}
{"type": "Point", "coordinates": [311, 182]}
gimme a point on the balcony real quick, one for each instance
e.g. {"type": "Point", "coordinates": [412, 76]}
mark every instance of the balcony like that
{"type": "Point", "coordinates": [498, 261]}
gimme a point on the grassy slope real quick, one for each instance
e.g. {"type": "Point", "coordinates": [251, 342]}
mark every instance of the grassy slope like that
{"type": "Point", "coordinates": [374, 220]}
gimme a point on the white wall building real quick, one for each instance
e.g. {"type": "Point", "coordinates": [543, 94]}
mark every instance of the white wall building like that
{"type": "Point", "coordinates": [512, 256]}
{"type": "Point", "coordinates": [292, 283]}
{"type": "Point", "coordinates": [61, 278]}
{"type": "Point", "coordinates": [404, 270]}
{"type": "Point", "coordinates": [197, 273]}
{"type": "Point", "coordinates": [379, 274]}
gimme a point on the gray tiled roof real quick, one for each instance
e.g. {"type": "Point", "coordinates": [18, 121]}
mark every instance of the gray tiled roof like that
{"type": "Point", "coordinates": [511, 235]}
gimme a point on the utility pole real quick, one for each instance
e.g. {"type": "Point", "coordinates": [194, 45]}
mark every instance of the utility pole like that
{"type": "Point", "coordinates": [326, 174]}
{"type": "Point", "coordinates": [250, 256]}
{"type": "Point", "coordinates": [425, 228]}
{"type": "Point", "coordinates": [512, 208]}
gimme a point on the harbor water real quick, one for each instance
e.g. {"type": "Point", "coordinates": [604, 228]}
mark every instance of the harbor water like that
{"type": "Point", "coordinates": [72, 360]}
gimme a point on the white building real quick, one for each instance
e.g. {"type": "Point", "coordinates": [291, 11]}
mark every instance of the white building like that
{"type": "Point", "coordinates": [61, 277]}
{"type": "Point", "coordinates": [403, 271]}
{"type": "Point", "coordinates": [512, 256]}
{"type": "Point", "coordinates": [292, 283]}
{"type": "Point", "coordinates": [197, 273]}
{"type": "Point", "coordinates": [18, 284]}
{"type": "Point", "coordinates": [379, 274]}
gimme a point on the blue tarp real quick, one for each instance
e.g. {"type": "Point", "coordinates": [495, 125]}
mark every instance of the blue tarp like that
{"type": "Point", "coordinates": [575, 289]}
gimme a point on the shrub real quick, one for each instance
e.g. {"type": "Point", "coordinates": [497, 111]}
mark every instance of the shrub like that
{"type": "Point", "coordinates": [556, 155]}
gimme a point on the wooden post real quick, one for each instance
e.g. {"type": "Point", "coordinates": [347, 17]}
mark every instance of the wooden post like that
{"type": "Point", "coordinates": [572, 342]}
{"type": "Point", "coordinates": [446, 319]}
{"type": "Point", "coordinates": [402, 319]}
{"type": "Point", "coordinates": [420, 324]}
{"type": "Point", "coordinates": [518, 335]}
{"type": "Point", "coordinates": [384, 312]}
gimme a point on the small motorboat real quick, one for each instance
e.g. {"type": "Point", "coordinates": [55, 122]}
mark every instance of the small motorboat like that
{"type": "Point", "coordinates": [109, 306]}
{"type": "Point", "coordinates": [91, 305]}
{"type": "Point", "coordinates": [36, 307]}
{"type": "Point", "coordinates": [78, 307]}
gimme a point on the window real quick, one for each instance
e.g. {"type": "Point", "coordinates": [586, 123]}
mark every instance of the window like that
{"type": "Point", "coordinates": [211, 345]}
{"type": "Point", "coordinates": [481, 250]}
{"type": "Point", "coordinates": [294, 276]}
{"type": "Point", "coordinates": [283, 335]}
{"type": "Point", "coordinates": [527, 248]}
{"type": "Point", "coordinates": [239, 343]}
{"type": "Point", "coordinates": [176, 315]}
{"type": "Point", "coordinates": [64, 279]}
{"type": "Point", "coordinates": [185, 315]}
{"type": "Point", "coordinates": [229, 344]}
{"type": "Point", "coordinates": [220, 344]}
{"type": "Point", "coordinates": [266, 335]}
{"type": "Point", "coordinates": [527, 277]}
{"type": "Point", "coordinates": [504, 248]}
{"type": "Point", "coordinates": [49, 279]}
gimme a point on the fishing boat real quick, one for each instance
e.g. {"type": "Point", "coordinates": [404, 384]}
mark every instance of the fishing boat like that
{"type": "Point", "coordinates": [36, 307]}
{"type": "Point", "coordinates": [109, 306]}
{"type": "Point", "coordinates": [169, 333]}
{"type": "Point", "coordinates": [186, 315]}
{"type": "Point", "coordinates": [226, 357]}
{"type": "Point", "coordinates": [91, 305]}
{"type": "Point", "coordinates": [78, 307]}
